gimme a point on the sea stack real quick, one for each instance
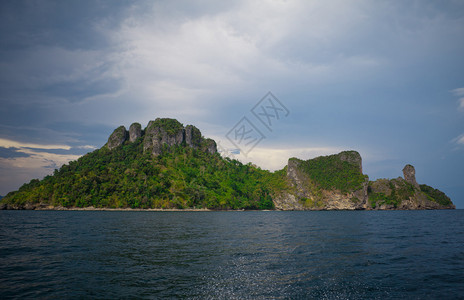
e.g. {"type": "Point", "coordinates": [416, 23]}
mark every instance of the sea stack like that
{"type": "Point", "coordinates": [409, 174]}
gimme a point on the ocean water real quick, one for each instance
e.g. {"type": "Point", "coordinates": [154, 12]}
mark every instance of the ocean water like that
{"type": "Point", "coordinates": [232, 255]}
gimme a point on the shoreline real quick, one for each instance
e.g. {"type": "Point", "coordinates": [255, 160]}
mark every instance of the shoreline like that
{"type": "Point", "coordinates": [92, 208]}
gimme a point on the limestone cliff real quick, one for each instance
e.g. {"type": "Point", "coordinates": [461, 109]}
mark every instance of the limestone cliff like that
{"type": "Point", "coordinates": [336, 182]}
{"type": "Point", "coordinates": [117, 138]}
{"type": "Point", "coordinates": [325, 183]}
{"type": "Point", "coordinates": [192, 136]}
{"type": "Point", "coordinates": [167, 165]}
{"type": "Point", "coordinates": [409, 173]}
{"type": "Point", "coordinates": [135, 131]}
{"type": "Point", "coordinates": [406, 193]}
{"type": "Point", "coordinates": [208, 145]}
{"type": "Point", "coordinates": [160, 135]}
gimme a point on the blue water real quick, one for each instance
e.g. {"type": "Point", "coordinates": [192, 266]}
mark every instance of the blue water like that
{"type": "Point", "coordinates": [227, 255]}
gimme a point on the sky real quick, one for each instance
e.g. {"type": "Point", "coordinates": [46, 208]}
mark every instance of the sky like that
{"type": "Point", "coordinates": [384, 78]}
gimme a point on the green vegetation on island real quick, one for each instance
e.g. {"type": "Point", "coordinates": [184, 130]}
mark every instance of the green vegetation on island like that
{"type": "Point", "coordinates": [389, 192]}
{"type": "Point", "coordinates": [126, 177]}
{"type": "Point", "coordinates": [172, 126]}
{"type": "Point", "coordinates": [335, 172]}
{"type": "Point", "coordinates": [435, 195]}
{"type": "Point", "coordinates": [169, 166]}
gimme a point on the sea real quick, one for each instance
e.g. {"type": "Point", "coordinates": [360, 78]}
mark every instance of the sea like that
{"type": "Point", "coordinates": [232, 255]}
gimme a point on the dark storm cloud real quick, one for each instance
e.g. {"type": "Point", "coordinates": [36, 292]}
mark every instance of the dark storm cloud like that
{"type": "Point", "coordinates": [11, 153]}
{"type": "Point", "coordinates": [371, 76]}
{"type": "Point", "coordinates": [70, 24]}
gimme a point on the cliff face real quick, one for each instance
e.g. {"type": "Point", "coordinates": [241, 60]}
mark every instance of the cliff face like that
{"type": "Point", "coordinates": [315, 185]}
{"type": "Point", "coordinates": [179, 172]}
{"type": "Point", "coordinates": [117, 138]}
{"type": "Point", "coordinates": [325, 183]}
{"type": "Point", "coordinates": [135, 131]}
{"type": "Point", "coordinates": [406, 193]}
{"type": "Point", "coordinates": [160, 135]}
{"type": "Point", "coordinates": [409, 174]}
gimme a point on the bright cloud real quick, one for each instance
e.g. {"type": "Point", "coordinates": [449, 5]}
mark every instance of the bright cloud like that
{"type": "Point", "coordinates": [189, 62]}
{"type": "Point", "coordinates": [17, 170]}
{"type": "Point", "coordinates": [277, 158]}
{"type": "Point", "coordinates": [459, 140]}
{"type": "Point", "coordinates": [36, 162]}
{"type": "Point", "coordinates": [88, 147]}
{"type": "Point", "coordinates": [459, 92]}
{"type": "Point", "coordinates": [14, 144]}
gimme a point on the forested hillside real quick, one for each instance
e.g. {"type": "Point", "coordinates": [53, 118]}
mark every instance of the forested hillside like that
{"type": "Point", "coordinates": [169, 166]}
{"type": "Point", "coordinates": [127, 176]}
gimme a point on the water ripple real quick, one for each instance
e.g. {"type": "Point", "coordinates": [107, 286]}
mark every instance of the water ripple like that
{"type": "Point", "coordinates": [232, 255]}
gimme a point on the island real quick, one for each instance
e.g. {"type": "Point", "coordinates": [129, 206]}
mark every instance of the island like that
{"type": "Point", "coordinates": [171, 166]}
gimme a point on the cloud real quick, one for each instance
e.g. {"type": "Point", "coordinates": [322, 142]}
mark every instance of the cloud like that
{"type": "Point", "coordinates": [38, 160]}
{"type": "Point", "coordinates": [89, 147]}
{"type": "Point", "coordinates": [459, 140]}
{"type": "Point", "coordinates": [459, 92]}
{"type": "Point", "coordinates": [191, 64]}
{"type": "Point", "coordinates": [189, 60]}
{"type": "Point", "coordinates": [20, 162]}
{"type": "Point", "coordinates": [276, 158]}
{"type": "Point", "coordinates": [11, 152]}
{"type": "Point", "coordinates": [338, 65]}
{"type": "Point", "coordinates": [72, 75]}
{"type": "Point", "coordinates": [27, 164]}
{"type": "Point", "coordinates": [14, 144]}
{"type": "Point", "coordinates": [14, 171]}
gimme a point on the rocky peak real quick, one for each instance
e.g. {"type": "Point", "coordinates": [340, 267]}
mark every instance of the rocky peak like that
{"type": "Point", "coordinates": [405, 193]}
{"type": "Point", "coordinates": [292, 168]}
{"type": "Point", "coordinates": [209, 145]}
{"type": "Point", "coordinates": [117, 138]}
{"type": "Point", "coordinates": [135, 131]}
{"type": "Point", "coordinates": [192, 136]}
{"type": "Point", "coordinates": [352, 157]}
{"type": "Point", "coordinates": [410, 175]}
{"type": "Point", "coordinates": [161, 134]}
{"type": "Point", "coordinates": [307, 179]}
{"type": "Point", "coordinates": [169, 132]}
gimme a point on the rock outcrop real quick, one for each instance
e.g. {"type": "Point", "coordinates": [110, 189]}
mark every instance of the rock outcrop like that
{"type": "Point", "coordinates": [209, 145]}
{"type": "Point", "coordinates": [333, 182]}
{"type": "Point", "coordinates": [308, 190]}
{"type": "Point", "coordinates": [117, 138]}
{"type": "Point", "coordinates": [405, 193]}
{"type": "Point", "coordinates": [292, 200]}
{"type": "Point", "coordinates": [135, 131]}
{"type": "Point", "coordinates": [409, 174]}
{"type": "Point", "coordinates": [160, 135]}
{"type": "Point", "coordinates": [352, 157]}
{"type": "Point", "coordinates": [313, 186]}
{"type": "Point", "coordinates": [192, 136]}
